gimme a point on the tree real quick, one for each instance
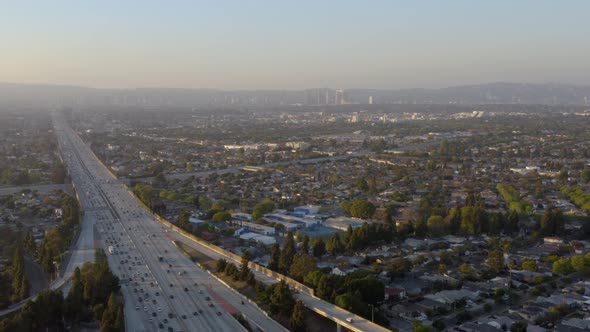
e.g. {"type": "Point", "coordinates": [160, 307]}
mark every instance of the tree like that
{"type": "Point", "coordinates": [29, 243]}
{"type": "Point", "coordinates": [286, 258]}
{"type": "Point", "coordinates": [297, 321]}
{"type": "Point", "coordinates": [112, 318]}
{"type": "Point", "coordinates": [518, 327]}
{"type": "Point", "coordinates": [47, 310]}
{"type": "Point", "coordinates": [562, 266]}
{"type": "Point", "coordinates": [371, 289]}
{"type": "Point", "coordinates": [20, 286]}
{"type": "Point", "coordinates": [399, 267]}
{"type": "Point", "coordinates": [362, 209]}
{"type": "Point", "coordinates": [439, 325]}
{"type": "Point", "coordinates": [313, 278]}
{"type": "Point", "coordinates": [511, 224]}
{"type": "Point", "coordinates": [221, 217]}
{"type": "Point", "coordinates": [275, 255]}
{"type": "Point", "coordinates": [437, 226]}
{"type": "Point", "coordinates": [418, 327]}
{"type": "Point", "coordinates": [221, 264]}
{"type": "Point", "coordinates": [319, 248]}
{"type": "Point", "coordinates": [183, 220]}
{"type": "Point", "coordinates": [244, 269]}
{"type": "Point", "coordinates": [281, 300]}
{"type": "Point", "coordinates": [562, 176]}
{"type": "Point", "coordinates": [466, 271]}
{"type": "Point", "coordinates": [302, 265]}
{"type": "Point", "coordinates": [552, 222]}
{"type": "Point", "coordinates": [496, 260]}
{"type": "Point", "coordinates": [305, 244]}
{"type": "Point", "coordinates": [578, 262]}
{"type": "Point", "coordinates": [324, 289]}
{"type": "Point", "coordinates": [351, 301]}
{"type": "Point", "coordinates": [529, 265]}
{"type": "Point", "coordinates": [334, 246]}
{"type": "Point", "coordinates": [74, 302]}
{"type": "Point", "coordinates": [262, 208]}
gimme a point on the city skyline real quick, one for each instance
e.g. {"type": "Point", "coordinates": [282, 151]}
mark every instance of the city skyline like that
{"type": "Point", "coordinates": [259, 45]}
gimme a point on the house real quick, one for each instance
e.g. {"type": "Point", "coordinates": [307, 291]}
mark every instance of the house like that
{"type": "Point", "coordinates": [524, 276]}
{"type": "Point", "coordinates": [429, 304]}
{"type": "Point", "coordinates": [307, 209]}
{"type": "Point", "coordinates": [474, 327]}
{"type": "Point", "coordinates": [552, 240]}
{"type": "Point", "coordinates": [579, 323]}
{"type": "Point", "coordinates": [530, 313]}
{"type": "Point", "coordinates": [559, 300]}
{"type": "Point", "coordinates": [411, 286]}
{"type": "Point", "coordinates": [338, 272]}
{"type": "Point", "coordinates": [195, 221]}
{"type": "Point", "coordinates": [497, 321]}
{"type": "Point", "coordinates": [450, 296]}
{"type": "Point", "coordinates": [394, 293]}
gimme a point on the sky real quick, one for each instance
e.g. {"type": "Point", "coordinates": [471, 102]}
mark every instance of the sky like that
{"type": "Point", "coordinates": [276, 44]}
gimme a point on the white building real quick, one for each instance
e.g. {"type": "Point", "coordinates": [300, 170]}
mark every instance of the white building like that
{"type": "Point", "coordinates": [266, 240]}
{"type": "Point", "coordinates": [256, 228]}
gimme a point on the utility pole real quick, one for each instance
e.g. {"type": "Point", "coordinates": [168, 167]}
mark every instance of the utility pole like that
{"type": "Point", "coordinates": [372, 313]}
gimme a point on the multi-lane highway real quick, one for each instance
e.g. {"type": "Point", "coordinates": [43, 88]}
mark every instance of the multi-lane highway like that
{"type": "Point", "coordinates": [163, 289]}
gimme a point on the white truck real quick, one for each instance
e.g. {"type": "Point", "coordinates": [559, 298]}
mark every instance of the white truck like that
{"type": "Point", "coordinates": [111, 250]}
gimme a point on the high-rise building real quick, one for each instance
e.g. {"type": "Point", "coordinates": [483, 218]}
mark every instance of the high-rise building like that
{"type": "Point", "coordinates": [370, 100]}
{"type": "Point", "coordinates": [318, 96]}
{"type": "Point", "coordinates": [339, 97]}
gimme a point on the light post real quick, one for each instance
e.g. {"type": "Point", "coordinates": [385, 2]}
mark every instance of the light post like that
{"type": "Point", "coordinates": [372, 312]}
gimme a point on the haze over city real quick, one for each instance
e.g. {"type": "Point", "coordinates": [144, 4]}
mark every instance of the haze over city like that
{"type": "Point", "coordinates": [294, 45]}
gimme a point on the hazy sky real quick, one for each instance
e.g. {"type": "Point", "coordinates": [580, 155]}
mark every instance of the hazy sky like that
{"type": "Point", "coordinates": [248, 44]}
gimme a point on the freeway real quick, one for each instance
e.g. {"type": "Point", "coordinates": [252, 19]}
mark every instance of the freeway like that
{"type": "Point", "coordinates": [163, 289]}
{"type": "Point", "coordinates": [340, 316]}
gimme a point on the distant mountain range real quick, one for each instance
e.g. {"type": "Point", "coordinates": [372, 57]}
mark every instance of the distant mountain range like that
{"type": "Point", "coordinates": [36, 95]}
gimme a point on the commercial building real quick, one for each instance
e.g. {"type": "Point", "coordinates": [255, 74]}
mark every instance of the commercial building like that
{"type": "Point", "coordinates": [263, 239]}
{"type": "Point", "coordinates": [256, 228]}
